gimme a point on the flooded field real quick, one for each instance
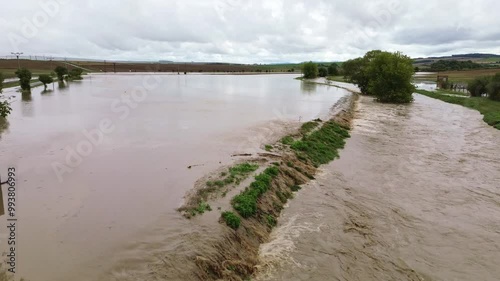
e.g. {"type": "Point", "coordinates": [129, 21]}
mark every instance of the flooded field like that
{"type": "Point", "coordinates": [103, 163]}
{"type": "Point", "coordinates": [414, 196]}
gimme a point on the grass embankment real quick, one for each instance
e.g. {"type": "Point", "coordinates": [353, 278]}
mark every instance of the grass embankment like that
{"type": "Point", "coordinates": [234, 175]}
{"type": "Point", "coordinates": [488, 108]}
{"type": "Point", "coordinates": [337, 79]}
{"type": "Point", "coordinates": [257, 208]}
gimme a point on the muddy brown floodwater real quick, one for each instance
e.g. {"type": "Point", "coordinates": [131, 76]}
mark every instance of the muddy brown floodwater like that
{"type": "Point", "coordinates": [112, 211]}
{"type": "Point", "coordinates": [414, 196]}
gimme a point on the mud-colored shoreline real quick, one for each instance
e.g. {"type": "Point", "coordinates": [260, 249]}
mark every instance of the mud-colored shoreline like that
{"type": "Point", "coordinates": [235, 255]}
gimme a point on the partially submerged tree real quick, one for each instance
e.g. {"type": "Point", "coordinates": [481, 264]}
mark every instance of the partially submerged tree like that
{"type": "Point", "coordinates": [45, 79]}
{"type": "Point", "coordinates": [382, 74]}
{"type": "Point", "coordinates": [5, 108]}
{"type": "Point", "coordinates": [75, 74]}
{"type": "Point", "coordinates": [390, 76]}
{"type": "Point", "coordinates": [61, 72]}
{"type": "Point", "coordinates": [24, 76]}
{"type": "Point", "coordinates": [310, 70]}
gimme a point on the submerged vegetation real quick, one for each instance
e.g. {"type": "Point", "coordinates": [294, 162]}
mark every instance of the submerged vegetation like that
{"type": "Point", "coordinates": [487, 107]}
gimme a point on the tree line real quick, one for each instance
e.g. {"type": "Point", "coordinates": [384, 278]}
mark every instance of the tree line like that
{"type": "Point", "coordinates": [384, 75]}
{"type": "Point", "coordinates": [25, 77]}
{"type": "Point", "coordinates": [449, 65]}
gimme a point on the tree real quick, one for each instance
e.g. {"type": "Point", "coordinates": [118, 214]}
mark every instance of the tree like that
{"type": "Point", "coordinates": [310, 70]}
{"type": "Point", "coordinates": [4, 105]}
{"type": "Point", "coordinates": [322, 71]}
{"type": "Point", "coordinates": [333, 69]}
{"type": "Point", "coordinates": [494, 88]}
{"type": "Point", "coordinates": [1, 82]}
{"type": "Point", "coordinates": [61, 72]}
{"type": "Point", "coordinates": [75, 74]}
{"type": "Point", "coordinates": [478, 86]}
{"type": "Point", "coordinates": [389, 76]}
{"type": "Point", "coordinates": [45, 79]}
{"type": "Point", "coordinates": [24, 76]}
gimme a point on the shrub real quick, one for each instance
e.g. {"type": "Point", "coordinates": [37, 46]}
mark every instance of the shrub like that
{"type": "Point", "coordinates": [61, 72]}
{"type": "Point", "coordinates": [24, 76]}
{"type": "Point", "coordinates": [478, 86]}
{"type": "Point", "coordinates": [333, 69]}
{"type": "Point", "coordinates": [494, 88]}
{"type": "Point", "coordinates": [310, 70]}
{"type": "Point", "coordinates": [231, 219]}
{"type": "Point", "coordinates": [323, 72]}
{"type": "Point", "coordinates": [45, 79]}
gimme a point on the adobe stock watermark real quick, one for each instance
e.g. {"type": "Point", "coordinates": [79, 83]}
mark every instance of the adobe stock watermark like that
{"type": "Point", "coordinates": [382, 18]}
{"type": "Point", "coordinates": [121, 108]}
{"type": "Point", "coordinates": [30, 27]}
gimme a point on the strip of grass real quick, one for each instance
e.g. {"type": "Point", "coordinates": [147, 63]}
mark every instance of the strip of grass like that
{"type": "Point", "coordinates": [337, 78]}
{"type": "Point", "coordinates": [322, 145]}
{"type": "Point", "coordinates": [234, 174]}
{"type": "Point", "coordinates": [308, 127]}
{"type": "Point", "coordinates": [246, 202]}
{"type": "Point", "coordinates": [488, 108]}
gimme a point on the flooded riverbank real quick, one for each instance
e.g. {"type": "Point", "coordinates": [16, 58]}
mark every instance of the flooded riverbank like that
{"type": "Point", "coordinates": [414, 196]}
{"type": "Point", "coordinates": [88, 201]}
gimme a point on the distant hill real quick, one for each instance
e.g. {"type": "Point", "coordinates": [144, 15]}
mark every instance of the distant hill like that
{"type": "Point", "coordinates": [487, 60]}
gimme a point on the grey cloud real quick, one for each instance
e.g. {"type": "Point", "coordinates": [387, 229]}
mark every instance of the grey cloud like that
{"type": "Point", "coordinates": [253, 31]}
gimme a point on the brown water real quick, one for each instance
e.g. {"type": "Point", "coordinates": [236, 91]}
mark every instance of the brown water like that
{"type": "Point", "coordinates": [414, 196]}
{"type": "Point", "coordinates": [105, 211]}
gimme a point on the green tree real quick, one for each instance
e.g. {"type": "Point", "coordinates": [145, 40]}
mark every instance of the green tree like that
{"type": "Point", "coordinates": [61, 72]}
{"type": "Point", "coordinates": [75, 74]}
{"type": "Point", "coordinates": [323, 71]}
{"type": "Point", "coordinates": [478, 86]}
{"type": "Point", "coordinates": [4, 105]}
{"type": "Point", "coordinates": [390, 76]}
{"type": "Point", "coordinates": [24, 76]}
{"type": "Point", "coordinates": [1, 82]}
{"type": "Point", "coordinates": [333, 69]}
{"type": "Point", "coordinates": [355, 71]}
{"type": "Point", "coordinates": [494, 88]}
{"type": "Point", "coordinates": [45, 79]}
{"type": "Point", "coordinates": [310, 70]}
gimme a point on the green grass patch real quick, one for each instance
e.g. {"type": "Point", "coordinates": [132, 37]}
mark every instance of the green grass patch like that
{"type": "Point", "coordinates": [232, 220]}
{"type": "Point", "coordinates": [322, 145]}
{"type": "Point", "coordinates": [295, 188]}
{"type": "Point", "coordinates": [308, 127]}
{"type": "Point", "coordinates": [268, 147]}
{"type": "Point", "coordinates": [288, 140]}
{"type": "Point", "coordinates": [245, 203]}
{"type": "Point", "coordinates": [271, 221]}
{"type": "Point", "coordinates": [488, 108]}
{"type": "Point", "coordinates": [234, 175]}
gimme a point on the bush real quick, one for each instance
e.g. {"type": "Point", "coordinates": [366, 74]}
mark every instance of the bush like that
{"type": "Point", "coordinates": [45, 79]}
{"type": "Point", "coordinates": [24, 76]}
{"type": "Point", "coordinates": [310, 70]}
{"type": "Point", "coordinates": [494, 88]}
{"type": "Point", "coordinates": [323, 72]}
{"type": "Point", "coordinates": [478, 86]}
{"type": "Point", "coordinates": [333, 69]}
{"type": "Point", "coordinates": [75, 74]}
{"type": "Point", "coordinates": [231, 219]}
{"type": "Point", "coordinates": [61, 72]}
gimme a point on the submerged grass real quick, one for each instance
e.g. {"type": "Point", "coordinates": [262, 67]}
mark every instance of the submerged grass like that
{"type": "Point", "coordinates": [488, 108]}
{"type": "Point", "coordinates": [308, 127]}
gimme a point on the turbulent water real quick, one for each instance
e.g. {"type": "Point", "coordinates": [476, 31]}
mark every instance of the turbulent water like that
{"type": "Point", "coordinates": [414, 196]}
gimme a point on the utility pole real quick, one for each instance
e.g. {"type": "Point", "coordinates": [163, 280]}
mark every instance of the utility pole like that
{"type": "Point", "coordinates": [17, 54]}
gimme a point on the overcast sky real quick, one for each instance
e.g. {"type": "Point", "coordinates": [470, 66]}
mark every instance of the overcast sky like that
{"type": "Point", "coordinates": [240, 31]}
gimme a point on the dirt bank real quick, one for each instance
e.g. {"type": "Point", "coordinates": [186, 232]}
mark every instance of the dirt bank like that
{"type": "Point", "coordinates": [235, 255]}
